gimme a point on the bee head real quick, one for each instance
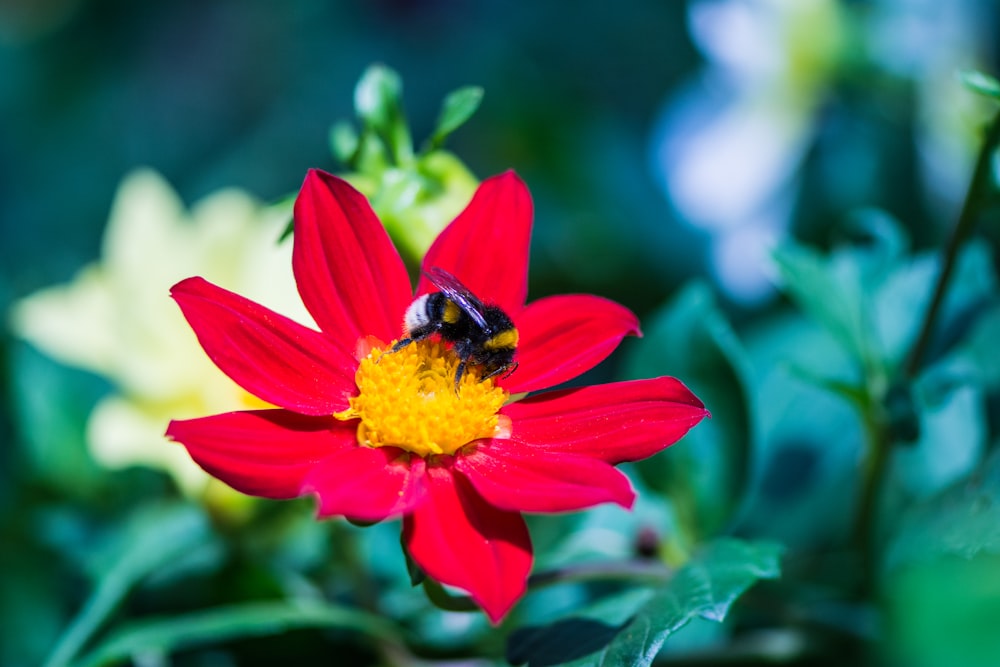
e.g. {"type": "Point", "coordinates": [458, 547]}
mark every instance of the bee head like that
{"type": "Point", "coordinates": [496, 361]}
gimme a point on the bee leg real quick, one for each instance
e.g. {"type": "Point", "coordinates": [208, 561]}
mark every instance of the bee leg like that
{"type": "Point", "coordinates": [401, 344]}
{"type": "Point", "coordinates": [502, 371]}
{"type": "Point", "coordinates": [397, 347]}
{"type": "Point", "coordinates": [458, 374]}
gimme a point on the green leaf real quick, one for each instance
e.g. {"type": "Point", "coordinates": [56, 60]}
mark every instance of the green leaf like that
{"type": "Point", "coordinates": [285, 206]}
{"type": "Point", "coordinates": [591, 629]}
{"type": "Point", "coordinates": [979, 82]}
{"type": "Point", "coordinates": [32, 600]}
{"type": "Point", "coordinates": [457, 108]}
{"type": "Point", "coordinates": [941, 574]}
{"type": "Point", "coordinates": [952, 428]}
{"type": "Point", "coordinates": [901, 303]}
{"type": "Point", "coordinates": [810, 437]}
{"type": "Point", "coordinates": [154, 538]}
{"type": "Point", "coordinates": [214, 626]}
{"type": "Point", "coordinates": [706, 587]}
{"type": "Point", "coordinates": [994, 185]}
{"type": "Point", "coordinates": [835, 290]}
{"type": "Point", "coordinates": [871, 297]}
{"type": "Point", "coordinates": [287, 232]}
{"type": "Point", "coordinates": [51, 404]}
{"type": "Point", "coordinates": [943, 613]}
{"type": "Point", "coordinates": [962, 520]}
{"type": "Point", "coordinates": [705, 475]}
{"type": "Point", "coordinates": [975, 359]}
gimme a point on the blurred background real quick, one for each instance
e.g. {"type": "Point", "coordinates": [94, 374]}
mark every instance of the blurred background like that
{"type": "Point", "coordinates": [662, 142]}
{"type": "Point", "coordinates": [621, 122]}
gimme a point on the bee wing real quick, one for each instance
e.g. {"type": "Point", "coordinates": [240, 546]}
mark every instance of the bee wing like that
{"type": "Point", "coordinates": [453, 288]}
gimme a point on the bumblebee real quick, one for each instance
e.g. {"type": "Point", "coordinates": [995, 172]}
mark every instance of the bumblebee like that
{"type": "Point", "coordinates": [481, 334]}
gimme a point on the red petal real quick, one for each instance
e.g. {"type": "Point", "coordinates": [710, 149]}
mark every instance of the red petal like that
{"type": "Point", "coordinates": [264, 453]}
{"type": "Point", "coordinates": [349, 274]}
{"type": "Point", "coordinates": [514, 477]}
{"type": "Point", "coordinates": [460, 540]}
{"type": "Point", "coordinates": [623, 421]}
{"type": "Point", "coordinates": [486, 246]}
{"type": "Point", "coordinates": [367, 484]}
{"type": "Point", "coordinates": [274, 358]}
{"type": "Point", "coordinates": [563, 336]}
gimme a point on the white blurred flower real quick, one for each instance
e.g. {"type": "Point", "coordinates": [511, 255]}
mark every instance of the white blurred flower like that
{"type": "Point", "coordinates": [116, 318]}
{"type": "Point", "coordinates": [728, 147]}
{"type": "Point", "coordinates": [929, 42]}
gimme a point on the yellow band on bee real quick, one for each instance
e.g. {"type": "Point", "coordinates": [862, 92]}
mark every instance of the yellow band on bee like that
{"type": "Point", "coordinates": [451, 312]}
{"type": "Point", "coordinates": [505, 340]}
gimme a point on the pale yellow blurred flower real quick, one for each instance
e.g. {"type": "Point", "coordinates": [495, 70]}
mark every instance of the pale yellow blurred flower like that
{"type": "Point", "coordinates": [116, 318]}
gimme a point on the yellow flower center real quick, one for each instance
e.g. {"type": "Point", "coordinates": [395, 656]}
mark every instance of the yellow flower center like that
{"type": "Point", "coordinates": [407, 399]}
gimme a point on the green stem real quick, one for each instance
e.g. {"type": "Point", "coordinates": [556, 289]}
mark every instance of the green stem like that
{"type": "Point", "coordinates": [963, 229]}
{"type": "Point", "coordinates": [873, 473]}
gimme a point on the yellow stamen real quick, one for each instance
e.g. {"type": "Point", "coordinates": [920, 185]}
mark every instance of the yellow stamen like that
{"type": "Point", "coordinates": [407, 399]}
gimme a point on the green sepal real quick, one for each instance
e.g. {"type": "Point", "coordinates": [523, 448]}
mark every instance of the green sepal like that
{"type": "Point", "coordinates": [417, 575]}
{"type": "Point", "coordinates": [444, 600]}
{"type": "Point", "coordinates": [378, 100]}
{"type": "Point", "coordinates": [456, 109]}
{"type": "Point", "coordinates": [344, 141]}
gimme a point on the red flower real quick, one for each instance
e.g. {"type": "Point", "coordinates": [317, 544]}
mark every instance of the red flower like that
{"type": "Point", "coordinates": [374, 434]}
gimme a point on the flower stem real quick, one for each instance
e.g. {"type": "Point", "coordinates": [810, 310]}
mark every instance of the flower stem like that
{"type": "Point", "coordinates": [978, 188]}
{"type": "Point", "coordinates": [875, 464]}
{"type": "Point", "coordinates": [876, 421]}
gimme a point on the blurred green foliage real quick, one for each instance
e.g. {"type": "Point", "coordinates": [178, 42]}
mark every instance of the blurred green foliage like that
{"type": "Point", "coordinates": [863, 472]}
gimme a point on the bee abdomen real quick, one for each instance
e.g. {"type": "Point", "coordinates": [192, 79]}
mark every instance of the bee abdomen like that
{"type": "Point", "coordinates": [417, 318]}
{"type": "Point", "coordinates": [430, 313]}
